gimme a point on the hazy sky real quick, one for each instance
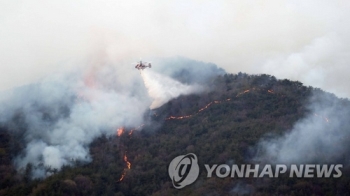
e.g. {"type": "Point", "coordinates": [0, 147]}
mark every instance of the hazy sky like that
{"type": "Point", "coordinates": [307, 41]}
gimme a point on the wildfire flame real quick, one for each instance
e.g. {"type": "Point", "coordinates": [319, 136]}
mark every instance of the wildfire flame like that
{"type": "Point", "coordinates": [218, 102]}
{"type": "Point", "coordinates": [128, 164]}
{"type": "Point", "coordinates": [122, 177]}
{"type": "Point", "coordinates": [120, 131]}
{"type": "Point", "coordinates": [246, 91]}
{"type": "Point", "coordinates": [132, 130]}
{"type": "Point", "coordinates": [128, 167]}
{"type": "Point", "coordinates": [199, 111]}
{"type": "Point", "coordinates": [206, 107]}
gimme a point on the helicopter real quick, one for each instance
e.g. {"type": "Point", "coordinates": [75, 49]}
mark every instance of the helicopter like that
{"type": "Point", "coordinates": [142, 65]}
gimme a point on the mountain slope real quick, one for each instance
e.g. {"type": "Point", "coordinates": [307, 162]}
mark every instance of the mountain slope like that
{"type": "Point", "coordinates": [223, 125]}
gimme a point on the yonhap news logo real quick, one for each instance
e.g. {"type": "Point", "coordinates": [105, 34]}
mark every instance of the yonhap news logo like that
{"type": "Point", "coordinates": [184, 170]}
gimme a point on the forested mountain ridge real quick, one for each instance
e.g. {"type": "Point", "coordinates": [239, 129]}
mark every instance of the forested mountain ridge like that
{"type": "Point", "coordinates": [222, 125]}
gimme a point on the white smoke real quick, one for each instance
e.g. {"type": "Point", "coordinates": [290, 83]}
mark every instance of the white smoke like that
{"type": "Point", "coordinates": [320, 63]}
{"type": "Point", "coordinates": [61, 115]}
{"type": "Point", "coordinates": [301, 40]}
{"type": "Point", "coordinates": [163, 88]}
{"type": "Point", "coordinates": [58, 117]}
{"type": "Point", "coordinates": [322, 136]}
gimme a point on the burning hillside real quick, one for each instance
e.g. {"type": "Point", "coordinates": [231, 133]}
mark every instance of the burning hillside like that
{"type": "Point", "coordinates": [243, 119]}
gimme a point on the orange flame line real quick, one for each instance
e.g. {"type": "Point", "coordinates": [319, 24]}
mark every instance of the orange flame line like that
{"type": "Point", "coordinates": [246, 91]}
{"type": "Point", "coordinates": [217, 102]}
{"type": "Point", "coordinates": [122, 177]}
{"type": "Point", "coordinates": [199, 111]}
{"type": "Point", "coordinates": [128, 164]}
{"type": "Point", "coordinates": [205, 107]}
{"type": "Point", "coordinates": [128, 167]}
{"type": "Point", "coordinates": [120, 131]}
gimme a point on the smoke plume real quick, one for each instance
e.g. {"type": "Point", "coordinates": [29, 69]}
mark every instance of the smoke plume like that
{"type": "Point", "coordinates": [321, 137]}
{"type": "Point", "coordinates": [300, 40]}
{"type": "Point", "coordinates": [58, 117]}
